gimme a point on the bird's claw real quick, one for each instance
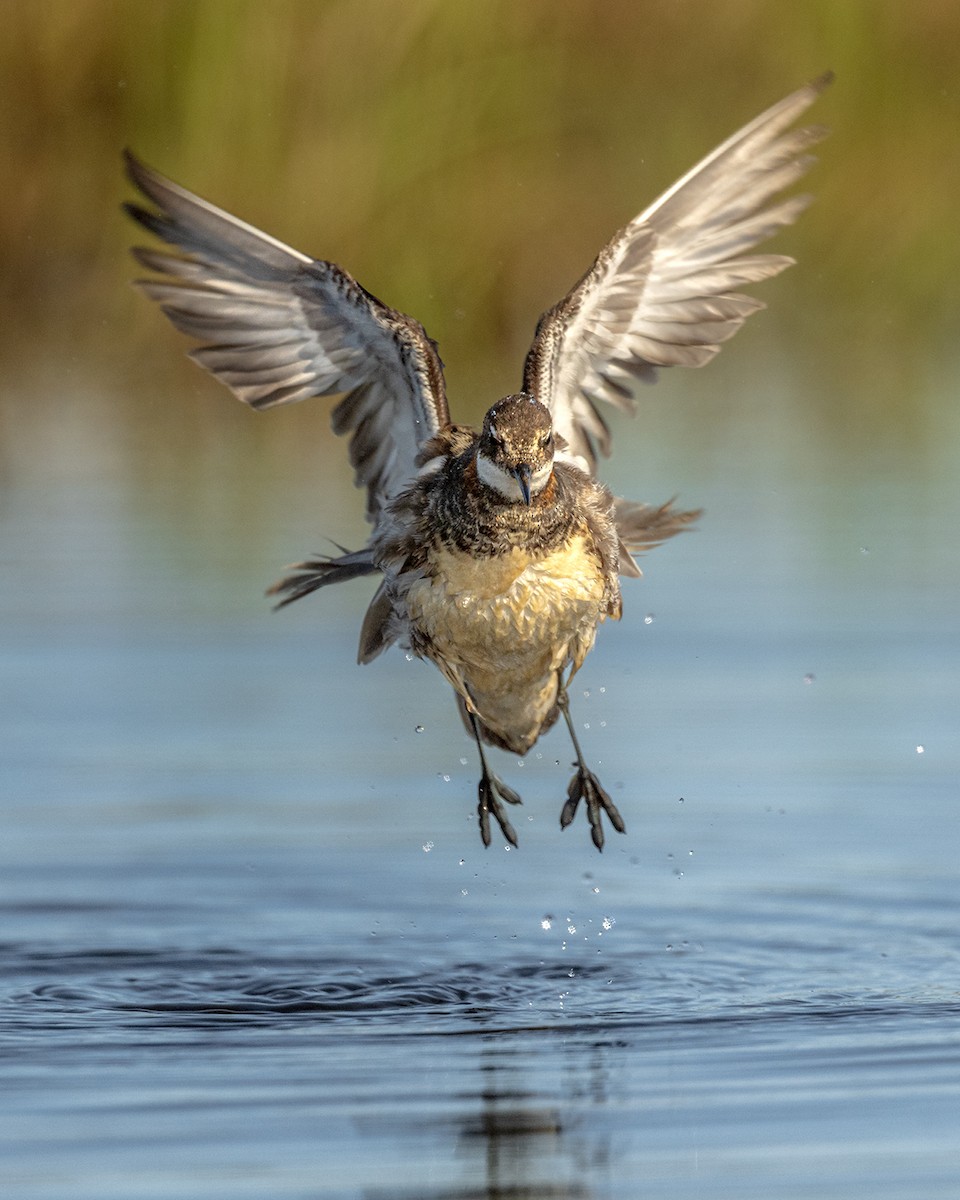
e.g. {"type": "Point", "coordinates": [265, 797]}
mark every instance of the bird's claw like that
{"type": "Point", "coordinates": [492, 790]}
{"type": "Point", "coordinates": [585, 786]}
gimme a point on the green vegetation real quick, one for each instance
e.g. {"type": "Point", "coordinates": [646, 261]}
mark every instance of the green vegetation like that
{"type": "Point", "coordinates": [466, 162]}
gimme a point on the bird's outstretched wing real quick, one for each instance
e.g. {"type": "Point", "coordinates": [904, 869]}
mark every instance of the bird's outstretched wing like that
{"type": "Point", "coordinates": [663, 293]}
{"type": "Point", "coordinates": [276, 327]}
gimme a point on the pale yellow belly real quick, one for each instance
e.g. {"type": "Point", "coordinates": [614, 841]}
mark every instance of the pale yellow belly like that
{"type": "Point", "coordinates": [500, 629]}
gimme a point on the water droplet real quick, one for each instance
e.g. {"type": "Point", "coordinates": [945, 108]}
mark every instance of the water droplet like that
{"type": "Point", "coordinates": [864, 549]}
{"type": "Point", "coordinates": [418, 729]}
{"type": "Point", "coordinates": [649, 619]}
{"type": "Point", "coordinates": [809, 677]}
{"type": "Point", "coordinates": [609, 922]}
{"type": "Point", "coordinates": [462, 861]}
{"type": "Point", "coordinates": [586, 693]}
{"type": "Point", "coordinates": [547, 922]}
{"type": "Point", "coordinates": [571, 929]}
{"type": "Point", "coordinates": [445, 778]}
{"type": "Point", "coordinates": [596, 891]}
{"type": "Point", "coordinates": [921, 749]}
{"type": "Point", "coordinates": [427, 847]}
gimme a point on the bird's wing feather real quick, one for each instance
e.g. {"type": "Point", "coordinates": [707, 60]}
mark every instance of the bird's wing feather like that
{"type": "Point", "coordinates": [663, 293]}
{"type": "Point", "coordinates": [277, 326]}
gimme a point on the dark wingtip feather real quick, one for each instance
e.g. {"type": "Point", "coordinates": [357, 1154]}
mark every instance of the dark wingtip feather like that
{"type": "Point", "coordinates": [144, 178]}
{"type": "Point", "coordinates": [130, 163]}
{"type": "Point", "coordinates": [147, 220]}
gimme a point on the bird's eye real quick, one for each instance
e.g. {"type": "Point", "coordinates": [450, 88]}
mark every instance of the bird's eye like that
{"type": "Point", "coordinates": [547, 441]}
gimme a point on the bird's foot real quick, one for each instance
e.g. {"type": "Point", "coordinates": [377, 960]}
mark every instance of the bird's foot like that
{"type": "Point", "coordinates": [492, 790]}
{"type": "Point", "coordinates": [585, 786]}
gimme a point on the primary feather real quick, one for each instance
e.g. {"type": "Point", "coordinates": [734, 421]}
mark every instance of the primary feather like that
{"type": "Point", "coordinates": [663, 293]}
{"type": "Point", "coordinates": [276, 327]}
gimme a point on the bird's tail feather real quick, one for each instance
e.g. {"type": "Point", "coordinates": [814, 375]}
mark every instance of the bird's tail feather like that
{"type": "Point", "coordinates": [320, 571]}
{"type": "Point", "coordinates": [643, 526]}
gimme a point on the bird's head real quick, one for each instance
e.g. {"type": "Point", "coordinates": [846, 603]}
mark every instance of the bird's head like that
{"type": "Point", "coordinates": [515, 451]}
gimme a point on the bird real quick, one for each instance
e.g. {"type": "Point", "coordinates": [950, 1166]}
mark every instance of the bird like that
{"type": "Point", "coordinates": [498, 552]}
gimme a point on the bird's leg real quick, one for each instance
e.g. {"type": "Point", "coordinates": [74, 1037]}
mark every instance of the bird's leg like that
{"type": "Point", "coordinates": [585, 786]}
{"type": "Point", "coordinates": [491, 791]}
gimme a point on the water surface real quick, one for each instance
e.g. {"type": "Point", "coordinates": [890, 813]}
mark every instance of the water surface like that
{"type": "Point", "coordinates": [252, 945]}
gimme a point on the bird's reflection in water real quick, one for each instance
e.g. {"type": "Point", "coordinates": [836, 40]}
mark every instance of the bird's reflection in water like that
{"type": "Point", "coordinates": [523, 1148]}
{"type": "Point", "coordinates": [518, 1144]}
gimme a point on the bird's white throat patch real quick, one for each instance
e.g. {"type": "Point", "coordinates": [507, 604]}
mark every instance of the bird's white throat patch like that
{"type": "Point", "coordinates": [505, 484]}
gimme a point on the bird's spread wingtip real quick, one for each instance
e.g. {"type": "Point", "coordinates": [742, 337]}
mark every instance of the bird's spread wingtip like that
{"type": "Point", "coordinates": [132, 165]}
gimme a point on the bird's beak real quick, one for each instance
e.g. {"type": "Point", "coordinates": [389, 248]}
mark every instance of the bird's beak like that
{"type": "Point", "coordinates": [522, 475]}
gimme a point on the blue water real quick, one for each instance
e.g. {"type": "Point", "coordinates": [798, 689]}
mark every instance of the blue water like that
{"type": "Point", "coordinates": [252, 946]}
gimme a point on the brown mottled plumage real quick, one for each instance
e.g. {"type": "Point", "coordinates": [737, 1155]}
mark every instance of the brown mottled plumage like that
{"type": "Point", "coordinates": [499, 552]}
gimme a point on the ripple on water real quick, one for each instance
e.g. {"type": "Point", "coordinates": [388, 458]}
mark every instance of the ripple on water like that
{"type": "Point", "coordinates": [107, 993]}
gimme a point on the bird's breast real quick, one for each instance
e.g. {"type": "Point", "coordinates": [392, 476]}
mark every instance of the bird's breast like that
{"type": "Point", "coordinates": [502, 627]}
{"type": "Point", "coordinates": [511, 607]}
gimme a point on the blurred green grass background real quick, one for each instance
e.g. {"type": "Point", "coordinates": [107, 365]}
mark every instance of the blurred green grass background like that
{"type": "Point", "coordinates": [466, 162]}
